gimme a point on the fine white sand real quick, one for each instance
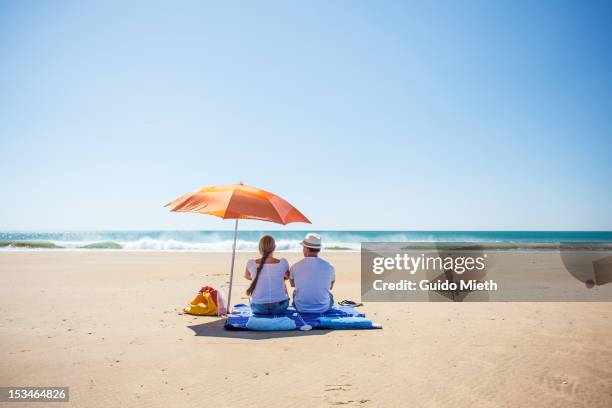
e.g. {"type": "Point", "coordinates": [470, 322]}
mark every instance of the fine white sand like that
{"type": "Point", "coordinates": [107, 324]}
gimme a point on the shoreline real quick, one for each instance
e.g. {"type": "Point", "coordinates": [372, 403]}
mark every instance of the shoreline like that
{"type": "Point", "coordinates": [434, 245]}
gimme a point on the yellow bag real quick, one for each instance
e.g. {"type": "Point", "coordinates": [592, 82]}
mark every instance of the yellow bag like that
{"type": "Point", "coordinates": [202, 305]}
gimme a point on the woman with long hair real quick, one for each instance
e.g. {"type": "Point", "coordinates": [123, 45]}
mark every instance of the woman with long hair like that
{"type": "Point", "coordinates": [267, 274]}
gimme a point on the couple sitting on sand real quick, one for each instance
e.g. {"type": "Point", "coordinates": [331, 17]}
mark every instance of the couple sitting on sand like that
{"type": "Point", "coordinates": [312, 277]}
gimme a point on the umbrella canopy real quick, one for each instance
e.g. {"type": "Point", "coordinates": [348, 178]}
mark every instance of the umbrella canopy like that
{"type": "Point", "coordinates": [237, 201]}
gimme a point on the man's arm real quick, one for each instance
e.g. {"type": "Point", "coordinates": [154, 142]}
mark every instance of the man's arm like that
{"type": "Point", "coordinates": [332, 285]}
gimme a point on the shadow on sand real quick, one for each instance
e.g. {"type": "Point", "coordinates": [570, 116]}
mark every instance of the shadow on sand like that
{"type": "Point", "coordinates": [215, 329]}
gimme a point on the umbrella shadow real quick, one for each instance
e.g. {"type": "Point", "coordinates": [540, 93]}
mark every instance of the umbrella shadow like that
{"type": "Point", "coordinates": [216, 329]}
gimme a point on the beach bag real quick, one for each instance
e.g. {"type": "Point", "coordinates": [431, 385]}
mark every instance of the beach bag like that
{"type": "Point", "coordinates": [208, 302]}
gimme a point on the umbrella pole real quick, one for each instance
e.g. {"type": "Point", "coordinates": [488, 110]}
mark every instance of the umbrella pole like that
{"type": "Point", "coordinates": [229, 295]}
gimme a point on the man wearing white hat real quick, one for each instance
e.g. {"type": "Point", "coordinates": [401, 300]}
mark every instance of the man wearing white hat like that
{"type": "Point", "coordinates": [313, 278]}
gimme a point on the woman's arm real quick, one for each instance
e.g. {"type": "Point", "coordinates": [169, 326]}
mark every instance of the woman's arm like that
{"type": "Point", "coordinates": [247, 274]}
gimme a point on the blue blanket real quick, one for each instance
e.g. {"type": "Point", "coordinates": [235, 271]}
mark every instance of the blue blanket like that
{"type": "Point", "coordinates": [239, 317]}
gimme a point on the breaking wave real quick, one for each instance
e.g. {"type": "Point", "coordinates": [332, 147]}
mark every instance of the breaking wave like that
{"type": "Point", "coordinates": [287, 241]}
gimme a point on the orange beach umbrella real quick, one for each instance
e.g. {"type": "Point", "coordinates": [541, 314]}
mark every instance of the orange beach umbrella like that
{"type": "Point", "coordinates": [238, 201]}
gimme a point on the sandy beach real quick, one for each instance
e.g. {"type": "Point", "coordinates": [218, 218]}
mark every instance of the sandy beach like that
{"type": "Point", "coordinates": [108, 325]}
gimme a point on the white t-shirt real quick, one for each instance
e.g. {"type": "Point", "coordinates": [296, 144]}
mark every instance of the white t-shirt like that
{"type": "Point", "coordinates": [271, 284]}
{"type": "Point", "coordinates": [312, 277]}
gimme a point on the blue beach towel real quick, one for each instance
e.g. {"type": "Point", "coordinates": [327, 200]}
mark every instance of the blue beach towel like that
{"type": "Point", "coordinates": [269, 324]}
{"type": "Point", "coordinates": [345, 323]}
{"type": "Point", "coordinates": [241, 314]}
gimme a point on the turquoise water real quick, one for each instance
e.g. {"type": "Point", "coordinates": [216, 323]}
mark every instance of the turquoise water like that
{"type": "Point", "coordinates": [216, 241]}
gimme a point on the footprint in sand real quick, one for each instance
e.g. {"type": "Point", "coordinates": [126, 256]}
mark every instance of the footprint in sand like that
{"type": "Point", "coordinates": [336, 393]}
{"type": "Point", "coordinates": [560, 384]}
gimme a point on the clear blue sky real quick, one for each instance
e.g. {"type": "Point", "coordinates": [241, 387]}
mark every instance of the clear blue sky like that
{"type": "Point", "coordinates": [365, 115]}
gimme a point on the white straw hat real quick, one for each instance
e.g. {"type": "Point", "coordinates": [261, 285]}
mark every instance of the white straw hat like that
{"type": "Point", "coordinates": [312, 240]}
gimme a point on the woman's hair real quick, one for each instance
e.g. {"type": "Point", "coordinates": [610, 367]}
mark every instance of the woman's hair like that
{"type": "Point", "coordinates": [266, 248]}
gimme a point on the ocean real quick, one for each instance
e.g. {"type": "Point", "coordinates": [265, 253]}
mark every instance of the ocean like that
{"type": "Point", "coordinates": [221, 241]}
